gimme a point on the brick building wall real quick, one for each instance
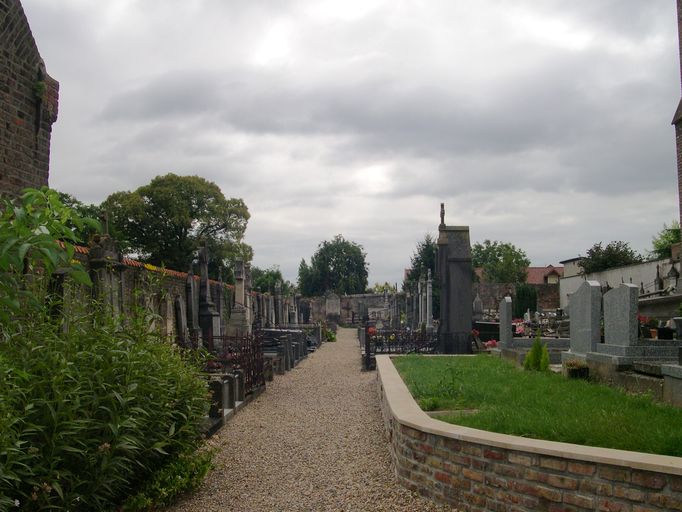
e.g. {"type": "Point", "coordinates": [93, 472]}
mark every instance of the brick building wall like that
{"type": "Point", "coordinates": [28, 104]}
{"type": "Point", "coordinates": [677, 118]}
{"type": "Point", "coordinates": [478, 471]}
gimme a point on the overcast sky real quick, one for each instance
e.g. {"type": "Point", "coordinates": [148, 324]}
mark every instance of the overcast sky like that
{"type": "Point", "coordinates": [544, 123]}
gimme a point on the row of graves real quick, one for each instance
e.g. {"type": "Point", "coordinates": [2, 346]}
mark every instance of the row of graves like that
{"type": "Point", "coordinates": [608, 342]}
{"type": "Point", "coordinates": [248, 337]}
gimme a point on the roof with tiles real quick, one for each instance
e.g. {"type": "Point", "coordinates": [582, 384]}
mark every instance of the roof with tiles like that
{"type": "Point", "coordinates": [535, 275]}
{"type": "Point", "coordinates": [129, 262]}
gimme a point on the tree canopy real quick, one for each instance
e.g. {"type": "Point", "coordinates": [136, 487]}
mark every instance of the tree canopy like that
{"type": "Point", "coordinates": [663, 241]}
{"type": "Point", "coordinates": [265, 280]}
{"type": "Point", "coordinates": [165, 221]}
{"type": "Point", "coordinates": [615, 254]}
{"type": "Point", "coordinates": [423, 260]}
{"type": "Point", "coordinates": [338, 265]}
{"type": "Point", "coordinates": [502, 262]}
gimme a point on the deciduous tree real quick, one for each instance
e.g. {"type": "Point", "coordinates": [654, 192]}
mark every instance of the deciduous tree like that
{"type": "Point", "coordinates": [502, 262]}
{"type": "Point", "coordinates": [338, 265]}
{"type": "Point", "coordinates": [663, 241]}
{"type": "Point", "coordinates": [164, 222]}
{"type": "Point", "coordinates": [615, 254]}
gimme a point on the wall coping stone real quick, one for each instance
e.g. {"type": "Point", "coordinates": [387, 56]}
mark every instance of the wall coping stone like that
{"type": "Point", "coordinates": [406, 412]}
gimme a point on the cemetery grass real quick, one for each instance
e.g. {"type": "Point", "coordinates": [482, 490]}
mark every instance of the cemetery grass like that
{"type": "Point", "coordinates": [501, 398]}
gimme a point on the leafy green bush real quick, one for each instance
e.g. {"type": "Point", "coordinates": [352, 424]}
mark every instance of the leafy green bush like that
{"type": "Point", "coordinates": [91, 405]}
{"type": "Point", "coordinates": [90, 412]}
{"type": "Point", "coordinates": [179, 476]}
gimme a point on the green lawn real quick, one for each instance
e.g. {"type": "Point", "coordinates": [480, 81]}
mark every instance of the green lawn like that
{"type": "Point", "coordinates": [540, 405]}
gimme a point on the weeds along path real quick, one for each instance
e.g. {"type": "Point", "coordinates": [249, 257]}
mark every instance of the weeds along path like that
{"type": "Point", "coordinates": [314, 441]}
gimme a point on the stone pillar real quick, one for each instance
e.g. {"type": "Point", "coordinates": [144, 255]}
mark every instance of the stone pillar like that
{"type": "Point", "coordinates": [429, 302]}
{"type": "Point", "coordinates": [585, 307]}
{"type": "Point", "coordinates": [106, 272]}
{"type": "Point", "coordinates": [455, 277]}
{"type": "Point", "coordinates": [620, 315]}
{"type": "Point", "coordinates": [506, 334]}
{"type": "Point", "coordinates": [278, 303]}
{"type": "Point", "coordinates": [420, 309]}
{"type": "Point", "coordinates": [192, 302]}
{"type": "Point", "coordinates": [209, 318]}
{"type": "Point", "coordinates": [238, 325]}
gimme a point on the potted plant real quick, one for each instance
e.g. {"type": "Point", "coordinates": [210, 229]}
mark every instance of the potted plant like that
{"type": "Point", "coordinates": [577, 369]}
{"type": "Point", "coordinates": [643, 326]}
{"type": "Point", "coordinates": [653, 327]}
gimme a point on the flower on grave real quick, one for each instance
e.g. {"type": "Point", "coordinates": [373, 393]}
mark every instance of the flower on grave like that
{"type": "Point", "coordinates": [475, 333]}
{"type": "Point", "coordinates": [643, 320]}
{"type": "Point", "coordinates": [17, 503]}
{"type": "Point", "coordinates": [490, 344]}
{"type": "Point", "coordinates": [372, 331]}
{"type": "Point", "coordinates": [391, 337]}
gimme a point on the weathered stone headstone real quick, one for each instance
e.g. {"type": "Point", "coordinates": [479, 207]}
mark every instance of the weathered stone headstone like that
{"type": "Point", "coordinates": [620, 315]}
{"type": "Point", "coordinates": [429, 302]}
{"type": "Point", "coordinates": [333, 306]}
{"type": "Point", "coordinates": [506, 334]}
{"type": "Point", "coordinates": [192, 302]}
{"type": "Point", "coordinates": [182, 333]}
{"type": "Point", "coordinates": [478, 308]}
{"type": "Point", "coordinates": [455, 275]}
{"type": "Point", "coordinates": [209, 318]}
{"type": "Point", "coordinates": [238, 325]}
{"type": "Point", "coordinates": [585, 305]}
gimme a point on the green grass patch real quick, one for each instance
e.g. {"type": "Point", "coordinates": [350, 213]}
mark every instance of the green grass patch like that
{"type": "Point", "coordinates": [541, 405]}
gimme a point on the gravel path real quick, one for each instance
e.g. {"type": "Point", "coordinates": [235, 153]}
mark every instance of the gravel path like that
{"type": "Point", "coordinates": [314, 441]}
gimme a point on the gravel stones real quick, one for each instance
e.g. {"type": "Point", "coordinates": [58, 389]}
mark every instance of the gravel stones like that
{"type": "Point", "coordinates": [314, 441]}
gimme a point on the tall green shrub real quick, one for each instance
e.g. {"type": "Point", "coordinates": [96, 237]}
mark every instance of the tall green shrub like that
{"type": "Point", "coordinates": [526, 298]}
{"type": "Point", "coordinates": [90, 406]}
{"type": "Point", "coordinates": [537, 358]}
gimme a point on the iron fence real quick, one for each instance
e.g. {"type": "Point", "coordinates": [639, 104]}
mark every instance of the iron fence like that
{"type": "Point", "coordinates": [244, 353]}
{"type": "Point", "coordinates": [388, 341]}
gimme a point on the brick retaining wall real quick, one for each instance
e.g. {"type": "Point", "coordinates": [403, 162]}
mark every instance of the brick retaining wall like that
{"type": "Point", "coordinates": [475, 470]}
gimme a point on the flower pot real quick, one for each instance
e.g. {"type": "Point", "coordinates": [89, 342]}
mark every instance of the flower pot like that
{"type": "Point", "coordinates": [665, 333]}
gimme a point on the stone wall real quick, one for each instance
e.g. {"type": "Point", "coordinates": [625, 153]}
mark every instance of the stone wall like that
{"type": "Point", "coordinates": [474, 470]}
{"type": "Point", "coordinates": [28, 104]}
{"type": "Point", "coordinates": [491, 294]}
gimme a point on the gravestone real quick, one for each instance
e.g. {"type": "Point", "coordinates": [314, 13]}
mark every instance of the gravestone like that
{"type": "Point", "coordinates": [209, 318]}
{"type": "Point", "coordinates": [506, 334]}
{"type": "Point", "coordinates": [620, 315]}
{"type": "Point", "coordinates": [455, 276]}
{"type": "Point", "coordinates": [585, 306]}
{"type": "Point", "coordinates": [238, 324]}
{"type": "Point", "coordinates": [192, 302]}
{"type": "Point", "coordinates": [333, 307]}
{"type": "Point", "coordinates": [182, 333]}
{"type": "Point", "coordinates": [478, 308]}
{"type": "Point", "coordinates": [278, 303]}
{"type": "Point", "coordinates": [429, 302]}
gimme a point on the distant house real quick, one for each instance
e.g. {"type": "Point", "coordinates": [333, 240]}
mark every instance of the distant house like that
{"type": "Point", "coordinates": [544, 275]}
{"type": "Point", "coordinates": [535, 275]}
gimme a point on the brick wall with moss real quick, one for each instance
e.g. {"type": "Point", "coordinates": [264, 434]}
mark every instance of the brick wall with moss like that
{"type": "Point", "coordinates": [28, 104]}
